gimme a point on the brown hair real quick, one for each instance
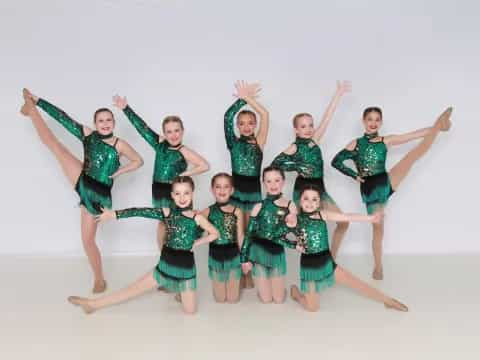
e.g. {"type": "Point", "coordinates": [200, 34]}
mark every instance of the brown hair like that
{"type": "Point", "coordinates": [312, 188]}
{"type": "Point", "coordinates": [220, 175]}
{"type": "Point", "coordinates": [98, 111]}
{"type": "Point", "coordinates": [273, 168]}
{"type": "Point", "coordinates": [370, 109]}
{"type": "Point", "coordinates": [247, 112]}
{"type": "Point", "coordinates": [172, 118]}
{"type": "Point", "coordinates": [184, 180]}
{"type": "Point", "coordinates": [298, 116]}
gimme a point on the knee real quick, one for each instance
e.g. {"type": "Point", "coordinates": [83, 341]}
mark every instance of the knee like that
{"type": "Point", "coordinates": [233, 299]}
{"type": "Point", "coordinates": [279, 299]}
{"type": "Point", "coordinates": [219, 298]}
{"type": "Point", "coordinates": [265, 298]}
{"type": "Point", "coordinates": [190, 310]}
{"type": "Point", "coordinates": [312, 305]}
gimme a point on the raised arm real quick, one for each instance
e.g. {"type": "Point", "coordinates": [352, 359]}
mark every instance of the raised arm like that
{"type": "Point", "coordinates": [212, 232]}
{"type": "Point", "coordinates": [200, 165]}
{"type": "Point", "coordinates": [135, 160]}
{"type": "Point", "coordinates": [404, 138]}
{"type": "Point", "coordinates": [341, 217]}
{"type": "Point", "coordinates": [228, 121]}
{"type": "Point", "coordinates": [342, 88]}
{"type": "Point", "coordinates": [143, 129]}
{"type": "Point", "coordinates": [344, 155]}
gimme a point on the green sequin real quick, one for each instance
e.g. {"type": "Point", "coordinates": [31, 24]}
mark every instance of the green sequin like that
{"type": "Point", "coordinates": [73, 127]}
{"type": "Point", "coordinates": [101, 159]}
{"type": "Point", "coordinates": [226, 224]}
{"type": "Point", "coordinates": [245, 154]}
{"type": "Point", "coordinates": [312, 233]}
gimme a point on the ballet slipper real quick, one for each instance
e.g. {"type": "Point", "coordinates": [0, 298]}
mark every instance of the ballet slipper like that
{"type": "Point", "coordinates": [377, 274]}
{"type": "Point", "coordinates": [396, 305]}
{"type": "Point", "coordinates": [27, 107]}
{"type": "Point", "coordinates": [99, 286]}
{"type": "Point", "coordinates": [82, 302]}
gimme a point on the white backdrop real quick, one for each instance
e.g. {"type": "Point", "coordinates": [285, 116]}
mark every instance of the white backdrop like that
{"type": "Point", "coordinates": [413, 58]}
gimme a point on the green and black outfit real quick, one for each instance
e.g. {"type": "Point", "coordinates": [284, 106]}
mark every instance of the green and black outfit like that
{"type": "Point", "coordinates": [246, 159]}
{"type": "Point", "coordinates": [176, 269]}
{"type": "Point", "coordinates": [307, 162]}
{"type": "Point", "coordinates": [265, 240]}
{"type": "Point", "coordinates": [101, 160]}
{"type": "Point", "coordinates": [169, 161]}
{"type": "Point", "coordinates": [369, 157]}
{"type": "Point", "coordinates": [317, 267]}
{"type": "Point", "coordinates": [223, 253]}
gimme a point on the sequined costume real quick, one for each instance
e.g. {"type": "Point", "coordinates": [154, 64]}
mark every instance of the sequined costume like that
{"type": "Point", "coordinates": [101, 160]}
{"type": "Point", "coordinates": [169, 161]}
{"type": "Point", "coordinates": [265, 240]}
{"type": "Point", "coordinates": [369, 158]}
{"type": "Point", "coordinates": [307, 161]}
{"type": "Point", "coordinates": [317, 266]}
{"type": "Point", "coordinates": [246, 159]}
{"type": "Point", "coordinates": [176, 268]}
{"type": "Point", "coordinates": [223, 253]}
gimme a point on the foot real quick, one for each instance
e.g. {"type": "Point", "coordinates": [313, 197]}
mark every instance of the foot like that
{"type": "Point", "coordinates": [99, 286]}
{"type": "Point", "coordinates": [396, 305]}
{"type": "Point", "coordinates": [377, 274]}
{"type": "Point", "coordinates": [29, 103]}
{"type": "Point", "coordinates": [83, 302]}
{"type": "Point", "coordinates": [178, 297]}
{"type": "Point", "coordinates": [443, 121]}
{"type": "Point", "coordinates": [295, 293]}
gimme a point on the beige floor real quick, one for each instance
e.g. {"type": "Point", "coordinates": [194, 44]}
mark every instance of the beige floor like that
{"type": "Point", "coordinates": [443, 293]}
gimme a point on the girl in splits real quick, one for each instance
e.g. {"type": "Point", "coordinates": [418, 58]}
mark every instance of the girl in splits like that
{"type": "Point", "coordinates": [246, 151]}
{"type": "Point", "coordinates": [317, 266]}
{"type": "Point", "coordinates": [176, 270]}
{"type": "Point", "coordinates": [93, 178]}
{"type": "Point", "coordinates": [265, 239]}
{"type": "Point", "coordinates": [224, 253]}
{"type": "Point", "coordinates": [369, 153]}
{"type": "Point", "coordinates": [305, 158]}
{"type": "Point", "coordinates": [171, 157]}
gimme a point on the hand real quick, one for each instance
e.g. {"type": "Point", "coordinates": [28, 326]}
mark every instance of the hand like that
{"type": "Point", "coordinates": [120, 102]}
{"type": "Point", "coordinates": [377, 217]}
{"type": "Point", "coordinates": [114, 175]}
{"type": "Point", "coordinates": [343, 87]}
{"type": "Point", "coordinates": [246, 267]}
{"type": "Point", "coordinates": [105, 215]}
{"type": "Point", "coordinates": [291, 219]}
{"type": "Point", "coordinates": [360, 180]}
{"type": "Point", "coordinates": [246, 91]}
{"type": "Point", "coordinates": [300, 248]}
{"type": "Point", "coordinates": [28, 95]}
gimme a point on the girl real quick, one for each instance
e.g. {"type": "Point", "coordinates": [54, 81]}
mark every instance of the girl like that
{"type": "Point", "coordinates": [305, 158]}
{"type": "Point", "coordinates": [93, 178]}
{"type": "Point", "coordinates": [171, 157]}
{"type": "Point", "coordinates": [264, 242]}
{"type": "Point", "coordinates": [317, 267]}
{"type": "Point", "coordinates": [176, 269]}
{"type": "Point", "coordinates": [224, 256]}
{"type": "Point", "coordinates": [369, 153]}
{"type": "Point", "coordinates": [246, 151]}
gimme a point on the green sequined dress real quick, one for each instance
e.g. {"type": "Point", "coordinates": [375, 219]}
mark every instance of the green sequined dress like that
{"type": "Point", "coordinates": [317, 267]}
{"type": "Point", "coordinates": [369, 158]}
{"type": "Point", "coordinates": [169, 161]}
{"type": "Point", "coordinates": [223, 254]}
{"type": "Point", "coordinates": [265, 240]}
{"type": "Point", "coordinates": [246, 159]}
{"type": "Point", "coordinates": [176, 268]}
{"type": "Point", "coordinates": [101, 160]}
{"type": "Point", "coordinates": [307, 162]}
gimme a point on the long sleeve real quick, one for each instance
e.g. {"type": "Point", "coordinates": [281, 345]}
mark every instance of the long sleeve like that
{"type": "Point", "coordinates": [340, 158]}
{"type": "Point", "coordinates": [228, 121]}
{"type": "Point", "coordinates": [143, 129]}
{"type": "Point", "coordinates": [247, 239]}
{"type": "Point", "coordinates": [285, 162]}
{"type": "Point", "coordinates": [146, 212]}
{"type": "Point", "coordinates": [73, 127]}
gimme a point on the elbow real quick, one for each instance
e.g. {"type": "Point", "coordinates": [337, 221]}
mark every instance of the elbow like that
{"type": "Point", "coordinates": [205, 167]}
{"type": "Point", "coordinates": [140, 162]}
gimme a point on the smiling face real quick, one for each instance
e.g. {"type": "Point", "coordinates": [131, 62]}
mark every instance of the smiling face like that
{"type": "Point", "coordinates": [372, 120]}
{"type": "Point", "coordinates": [222, 189]}
{"type": "Point", "coordinates": [182, 194]}
{"type": "Point", "coordinates": [246, 123]}
{"type": "Point", "coordinates": [273, 182]}
{"type": "Point", "coordinates": [310, 201]}
{"type": "Point", "coordinates": [173, 132]}
{"type": "Point", "coordinates": [104, 122]}
{"type": "Point", "coordinates": [304, 126]}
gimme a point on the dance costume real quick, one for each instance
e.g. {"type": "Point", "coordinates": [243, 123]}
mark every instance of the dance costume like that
{"type": "Point", "coordinates": [307, 161]}
{"type": "Point", "coordinates": [169, 161]}
{"type": "Point", "coordinates": [246, 158]}
{"type": "Point", "coordinates": [369, 158]}
{"type": "Point", "coordinates": [223, 253]}
{"type": "Point", "coordinates": [317, 267]}
{"type": "Point", "coordinates": [176, 269]}
{"type": "Point", "coordinates": [266, 238]}
{"type": "Point", "coordinates": [101, 160]}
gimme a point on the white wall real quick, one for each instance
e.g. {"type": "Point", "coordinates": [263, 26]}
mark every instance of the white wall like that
{"type": "Point", "coordinates": [181, 57]}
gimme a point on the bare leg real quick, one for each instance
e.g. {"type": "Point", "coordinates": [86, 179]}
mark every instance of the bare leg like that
{"type": "Point", "coordinates": [264, 287]}
{"type": "Point", "coordinates": [398, 173]}
{"type": "Point", "coordinates": [246, 281]}
{"type": "Point", "coordinates": [88, 230]}
{"type": "Point", "coordinates": [310, 301]}
{"type": "Point", "coordinates": [344, 277]}
{"type": "Point", "coordinates": [278, 289]}
{"type": "Point", "coordinates": [339, 231]}
{"type": "Point", "coordinates": [377, 248]}
{"type": "Point", "coordinates": [139, 287]}
{"type": "Point", "coordinates": [189, 302]}
{"type": "Point", "coordinates": [219, 291]}
{"type": "Point", "coordinates": [233, 290]}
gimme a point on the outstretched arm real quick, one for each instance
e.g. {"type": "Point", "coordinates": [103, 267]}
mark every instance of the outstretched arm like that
{"type": "Point", "coordinates": [342, 88]}
{"type": "Point", "coordinates": [143, 129]}
{"type": "Point", "coordinates": [285, 160]}
{"type": "Point", "coordinates": [404, 138]}
{"type": "Point", "coordinates": [135, 160]}
{"type": "Point", "coordinates": [200, 165]}
{"type": "Point", "coordinates": [344, 155]}
{"type": "Point", "coordinates": [146, 212]}
{"type": "Point", "coordinates": [341, 217]}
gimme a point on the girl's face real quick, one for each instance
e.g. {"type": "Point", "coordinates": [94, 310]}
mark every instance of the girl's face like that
{"type": "Point", "coordinates": [173, 133]}
{"type": "Point", "coordinates": [182, 194]}
{"type": "Point", "coordinates": [304, 127]}
{"type": "Point", "coordinates": [273, 182]}
{"type": "Point", "coordinates": [222, 189]}
{"type": "Point", "coordinates": [310, 201]}
{"type": "Point", "coordinates": [104, 123]}
{"type": "Point", "coordinates": [372, 122]}
{"type": "Point", "coordinates": [246, 124]}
